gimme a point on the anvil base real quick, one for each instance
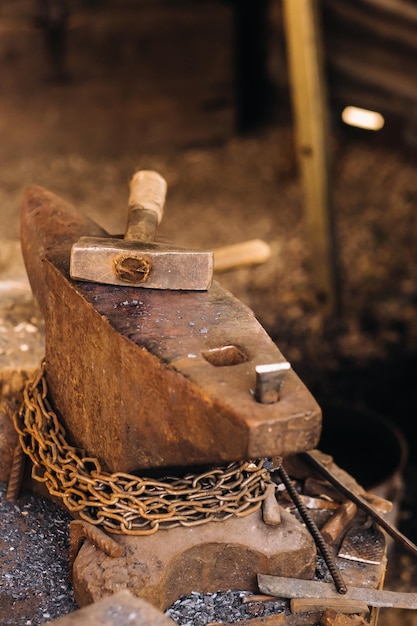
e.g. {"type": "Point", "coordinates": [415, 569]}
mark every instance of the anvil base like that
{"type": "Point", "coordinates": [216, 556]}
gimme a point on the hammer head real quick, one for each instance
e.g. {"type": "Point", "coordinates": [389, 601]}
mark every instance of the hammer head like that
{"type": "Point", "coordinates": [153, 265]}
{"type": "Point", "coordinates": [137, 260]}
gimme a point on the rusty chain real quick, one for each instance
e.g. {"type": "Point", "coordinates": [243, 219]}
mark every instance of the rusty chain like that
{"type": "Point", "coordinates": [124, 503]}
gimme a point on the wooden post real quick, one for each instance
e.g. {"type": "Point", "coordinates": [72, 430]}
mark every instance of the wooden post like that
{"type": "Point", "coordinates": [309, 106]}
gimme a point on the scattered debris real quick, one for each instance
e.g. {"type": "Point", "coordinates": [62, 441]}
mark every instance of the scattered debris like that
{"type": "Point", "coordinates": [34, 549]}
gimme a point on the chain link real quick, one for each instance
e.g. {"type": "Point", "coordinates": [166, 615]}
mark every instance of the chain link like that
{"type": "Point", "coordinates": [124, 503]}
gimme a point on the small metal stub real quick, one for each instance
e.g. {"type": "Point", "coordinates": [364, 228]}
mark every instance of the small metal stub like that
{"type": "Point", "coordinates": [269, 379]}
{"type": "Point", "coordinates": [271, 512]}
{"type": "Point", "coordinates": [132, 269]}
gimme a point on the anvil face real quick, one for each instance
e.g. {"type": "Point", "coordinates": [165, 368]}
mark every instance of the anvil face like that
{"type": "Point", "coordinates": [149, 378]}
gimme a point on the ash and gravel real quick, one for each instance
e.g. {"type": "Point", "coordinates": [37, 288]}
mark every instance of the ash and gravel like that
{"type": "Point", "coordinates": [34, 576]}
{"type": "Point", "coordinates": [230, 606]}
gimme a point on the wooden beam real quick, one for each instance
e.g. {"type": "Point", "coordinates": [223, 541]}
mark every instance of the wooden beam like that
{"type": "Point", "coordinates": [309, 106]}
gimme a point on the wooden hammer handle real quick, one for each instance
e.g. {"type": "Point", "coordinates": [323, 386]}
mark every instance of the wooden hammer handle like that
{"type": "Point", "coordinates": [242, 254]}
{"type": "Point", "coordinates": [146, 205]}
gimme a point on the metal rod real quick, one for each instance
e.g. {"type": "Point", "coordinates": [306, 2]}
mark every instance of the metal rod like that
{"type": "Point", "coordinates": [315, 532]}
{"type": "Point", "coordinates": [269, 379]}
{"type": "Point", "coordinates": [16, 474]}
{"type": "Point", "coordinates": [361, 503]}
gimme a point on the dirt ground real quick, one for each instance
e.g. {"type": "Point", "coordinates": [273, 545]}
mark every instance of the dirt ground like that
{"type": "Point", "coordinates": [166, 101]}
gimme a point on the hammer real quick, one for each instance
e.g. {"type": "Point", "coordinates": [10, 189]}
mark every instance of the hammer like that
{"type": "Point", "coordinates": [137, 260]}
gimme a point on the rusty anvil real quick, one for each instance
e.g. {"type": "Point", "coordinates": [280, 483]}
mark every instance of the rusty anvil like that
{"type": "Point", "coordinates": [146, 378]}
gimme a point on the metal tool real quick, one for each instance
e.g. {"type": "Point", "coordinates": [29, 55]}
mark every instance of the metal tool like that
{"type": "Point", "coordinates": [363, 544]}
{"type": "Point", "coordinates": [269, 378]}
{"type": "Point", "coordinates": [408, 545]}
{"type": "Point", "coordinates": [315, 532]}
{"type": "Point", "coordinates": [137, 260]}
{"type": "Point", "coordinates": [296, 588]}
{"type": "Point", "coordinates": [335, 526]}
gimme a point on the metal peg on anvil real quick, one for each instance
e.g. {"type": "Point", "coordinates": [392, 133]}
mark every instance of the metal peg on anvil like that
{"type": "Point", "coordinates": [137, 260]}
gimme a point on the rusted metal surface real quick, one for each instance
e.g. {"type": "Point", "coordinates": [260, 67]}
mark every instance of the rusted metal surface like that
{"type": "Point", "coordinates": [8, 443]}
{"type": "Point", "coordinates": [364, 544]}
{"type": "Point", "coordinates": [315, 532]}
{"type": "Point", "coordinates": [337, 524]}
{"type": "Point", "coordinates": [127, 503]}
{"type": "Point", "coordinates": [126, 367]}
{"type": "Point", "coordinates": [16, 473]}
{"type": "Point", "coordinates": [314, 459]}
{"type": "Point", "coordinates": [271, 512]}
{"type": "Point", "coordinates": [296, 588]}
{"type": "Point", "coordinates": [214, 557]}
{"type": "Point", "coordinates": [80, 530]}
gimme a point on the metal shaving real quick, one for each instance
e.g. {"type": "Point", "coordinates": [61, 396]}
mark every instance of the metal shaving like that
{"type": "Point", "coordinates": [200, 609]}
